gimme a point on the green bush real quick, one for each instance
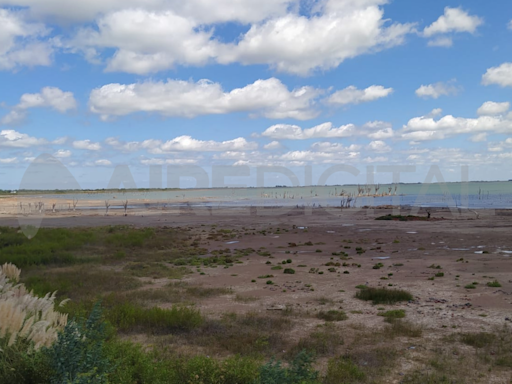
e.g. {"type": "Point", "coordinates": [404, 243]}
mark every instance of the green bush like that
{"type": "Point", "coordinates": [393, 314]}
{"type": "Point", "coordinates": [78, 354]}
{"type": "Point", "coordinates": [494, 284]}
{"type": "Point", "coordinates": [332, 315]}
{"type": "Point", "coordinates": [289, 271]}
{"type": "Point", "coordinates": [299, 372]}
{"type": "Point", "coordinates": [343, 370]}
{"type": "Point", "coordinates": [383, 295]}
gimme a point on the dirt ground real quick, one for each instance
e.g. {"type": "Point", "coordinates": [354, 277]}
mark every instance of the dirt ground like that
{"type": "Point", "coordinates": [467, 246]}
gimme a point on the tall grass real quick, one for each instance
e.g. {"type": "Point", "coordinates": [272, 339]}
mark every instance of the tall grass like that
{"type": "Point", "coordinates": [129, 317]}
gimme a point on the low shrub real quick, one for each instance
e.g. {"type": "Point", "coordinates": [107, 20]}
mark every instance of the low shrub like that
{"type": "Point", "coordinates": [383, 295]}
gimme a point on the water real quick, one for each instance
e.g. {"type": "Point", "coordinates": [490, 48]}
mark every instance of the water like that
{"type": "Point", "coordinates": [490, 195]}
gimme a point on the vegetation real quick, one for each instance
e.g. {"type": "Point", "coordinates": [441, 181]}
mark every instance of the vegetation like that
{"type": "Point", "coordinates": [383, 295]}
{"type": "Point", "coordinates": [109, 274]}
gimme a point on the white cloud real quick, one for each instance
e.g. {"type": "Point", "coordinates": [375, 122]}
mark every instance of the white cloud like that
{"type": "Point", "coordinates": [509, 25]}
{"type": "Point", "coordinates": [376, 129]}
{"type": "Point", "coordinates": [10, 160]}
{"type": "Point", "coordinates": [385, 133]}
{"type": "Point", "coordinates": [14, 117]}
{"type": "Point", "coordinates": [187, 143]}
{"type": "Point", "coordinates": [11, 138]}
{"type": "Point", "coordinates": [103, 162]}
{"type": "Point", "coordinates": [378, 146]}
{"type": "Point", "coordinates": [291, 43]}
{"type": "Point", "coordinates": [352, 95]}
{"type": "Point", "coordinates": [152, 39]}
{"type": "Point", "coordinates": [183, 144]}
{"type": "Point", "coordinates": [492, 108]}
{"type": "Point", "coordinates": [436, 90]}
{"type": "Point", "coordinates": [50, 97]}
{"type": "Point", "coordinates": [453, 20]}
{"type": "Point", "coordinates": [62, 153]}
{"type": "Point", "coordinates": [269, 98]}
{"type": "Point", "coordinates": [273, 145]}
{"type": "Point", "coordinates": [87, 145]}
{"type": "Point", "coordinates": [123, 146]}
{"type": "Point", "coordinates": [19, 44]}
{"type": "Point", "coordinates": [441, 41]}
{"type": "Point", "coordinates": [158, 161]}
{"type": "Point", "coordinates": [294, 132]}
{"type": "Point", "coordinates": [203, 11]}
{"type": "Point", "coordinates": [326, 146]}
{"type": "Point", "coordinates": [501, 75]}
{"type": "Point", "coordinates": [427, 128]}
{"type": "Point", "coordinates": [303, 157]}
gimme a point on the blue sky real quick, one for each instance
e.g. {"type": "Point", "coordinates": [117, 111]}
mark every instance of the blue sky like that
{"type": "Point", "coordinates": [248, 83]}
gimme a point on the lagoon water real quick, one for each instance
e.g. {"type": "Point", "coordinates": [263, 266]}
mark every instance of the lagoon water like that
{"type": "Point", "coordinates": [490, 195]}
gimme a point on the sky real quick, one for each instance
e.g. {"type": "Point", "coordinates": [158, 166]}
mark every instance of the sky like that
{"type": "Point", "coordinates": [174, 86]}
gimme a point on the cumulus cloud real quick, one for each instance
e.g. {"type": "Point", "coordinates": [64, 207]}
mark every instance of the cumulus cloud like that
{"type": "Point", "coordinates": [294, 132]}
{"type": "Point", "coordinates": [492, 108]}
{"type": "Point", "coordinates": [14, 117]}
{"type": "Point", "coordinates": [187, 143]}
{"type": "Point", "coordinates": [49, 97]}
{"type": "Point", "coordinates": [375, 129]}
{"type": "Point", "coordinates": [326, 146]}
{"type": "Point", "coordinates": [437, 90]}
{"type": "Point", "coordinates": [291, 43]}
{"type": "Point", "coordinates": [183, 144]}
{"type": "Point", "coordinates": [501, 75]}
{"type": "Point", "coordinates": [11, 138]}
{"type": "Point", "coordinates": [150, 39]}
{"type": "Point", "coordinates": [202, 11]}
{"type": "Point", "coordinates": [304, 157]}
{"type": "Point", "coordinates": [428, 128]}
{"type": "Point", "coordinates": [352, 95]}
{"type": "Point", "coordinates": [62, 153]}
{"type": "Point", "coordinates": [20, 43]}
{"type": "Point", "coordinates": [87, 145]}
{"type": "Point", "coordinates": [103, 162]}
{"type": "Point", "coordinates": [158, 161]}
{"type": "Point", "coordinates": [273, 145]}
{"type": "Point", "coordinates": [453, 20]}
{"type": "Point", "coordinates": [378, 146]}
{"type": "Point", "coordinates": [269, 98]}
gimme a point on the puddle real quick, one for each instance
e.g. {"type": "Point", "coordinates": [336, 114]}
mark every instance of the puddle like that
{"type": "Point", "coordinates": [302, 227]}
{"type": "Point", "coordinates": [481, 246]}
{"type": "Point", "coordinates": [411, 232]}
{"type": "Point", "coordinates": [507, 252]}
{"type": "Point", "coordinates": [381, 258]}
{"type": "Point", "coordinates": [479, 252]}
{"type": "Point", "coordinates": [331, 232]}
{"type": "Point", "coordinates": [347, 225]}
{"type": "Point", "coordinates": [232, 242]}
{"type": "Point", "coordinates": [364, 230]}
{"type": "Point", "coordinates": [275, 237]}
{"type": "Point", "coordinates": [460, 249]}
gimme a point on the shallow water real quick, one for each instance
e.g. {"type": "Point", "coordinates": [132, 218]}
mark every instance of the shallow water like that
{"type": "Point", "coordinates": [467, 195]}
